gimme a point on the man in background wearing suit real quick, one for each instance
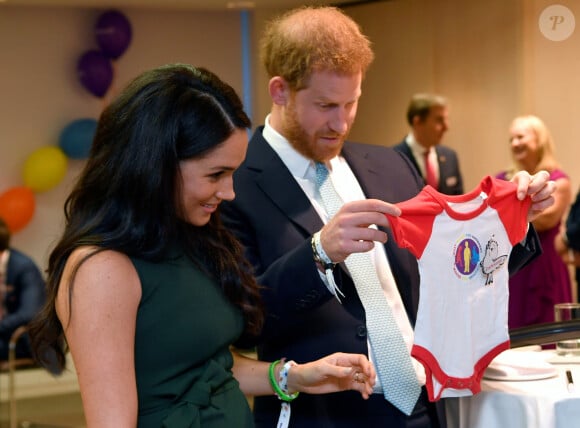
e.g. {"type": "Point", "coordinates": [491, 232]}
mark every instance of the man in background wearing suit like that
{"type": "Point", "coordinates": [316, 59]}
{"type": "Point", "coordinates": [427, 116]}
{"type": "Point", "coordinates": [22, 293]}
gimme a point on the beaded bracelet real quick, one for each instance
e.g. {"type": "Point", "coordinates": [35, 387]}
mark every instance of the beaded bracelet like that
{"type": "Point", "coordinates": [281, 390]}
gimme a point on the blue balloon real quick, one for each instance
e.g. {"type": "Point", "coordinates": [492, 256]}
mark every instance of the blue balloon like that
{"type": "Point", "coordinates": [77, 137]}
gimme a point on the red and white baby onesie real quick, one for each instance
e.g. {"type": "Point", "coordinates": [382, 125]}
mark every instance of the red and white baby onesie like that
{"type": "Point", "coordinates": [462, 244]}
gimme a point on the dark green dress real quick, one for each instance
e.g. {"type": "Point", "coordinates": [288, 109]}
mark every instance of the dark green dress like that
{"type": "Point", "coordinates": [182, 359]}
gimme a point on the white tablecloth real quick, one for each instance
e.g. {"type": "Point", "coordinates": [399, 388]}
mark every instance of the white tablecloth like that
{"type": "Point", "coordinates": [544, 403]}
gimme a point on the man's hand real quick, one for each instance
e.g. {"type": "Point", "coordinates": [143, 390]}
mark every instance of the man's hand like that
{"type": "Point", "coordinates": [349, 232]}
{"type": "Point", "coordinates": [539, 187]}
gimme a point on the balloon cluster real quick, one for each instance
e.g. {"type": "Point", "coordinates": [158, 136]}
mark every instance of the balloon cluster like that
{"type": "Point", "coordinates": [46, 167]}
{"type": "Point", "coordinates": [94, 67]}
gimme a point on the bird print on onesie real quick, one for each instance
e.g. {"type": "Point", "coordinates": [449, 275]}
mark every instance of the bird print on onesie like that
{"type": "Point", "coordinates": [462, 244]}
{"type": "Point", "coordinates": [492, 260]}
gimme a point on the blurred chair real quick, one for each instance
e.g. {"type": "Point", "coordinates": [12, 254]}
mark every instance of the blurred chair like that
{"type": "Point", "coordinates": [10, 366]}
{"type": "Point", "coordinates": [545, 333]}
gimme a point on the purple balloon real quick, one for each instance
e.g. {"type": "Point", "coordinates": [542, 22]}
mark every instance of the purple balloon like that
{"type": "Point", "coordinates": [113, 32]}
{"type": "Point", "coordinates": [95, 72]}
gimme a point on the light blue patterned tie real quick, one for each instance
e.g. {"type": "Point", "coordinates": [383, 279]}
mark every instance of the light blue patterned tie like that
{"type": "Point", "coordinates": [391, 356]}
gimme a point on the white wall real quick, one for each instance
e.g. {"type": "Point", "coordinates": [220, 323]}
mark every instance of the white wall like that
{"type": "Point", "coordinates": [492, 62]}
{"type": "Point", "coordinates": [488, 57]}
{"type": "Point", "coordinates": [40, 93]}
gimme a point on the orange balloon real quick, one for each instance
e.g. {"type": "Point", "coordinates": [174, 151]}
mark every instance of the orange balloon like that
{"type": "Point", "coordinates": [17, 207]}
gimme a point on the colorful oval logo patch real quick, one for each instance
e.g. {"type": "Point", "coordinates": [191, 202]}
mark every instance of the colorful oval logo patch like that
{"type": "Point", "coordinates": [467, 256]}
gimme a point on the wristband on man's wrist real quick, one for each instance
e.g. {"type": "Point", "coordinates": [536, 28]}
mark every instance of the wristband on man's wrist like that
{"type": "Point", "coordinates": [319, 254]}
{"type": "Point", "coordinates": [328, 265]}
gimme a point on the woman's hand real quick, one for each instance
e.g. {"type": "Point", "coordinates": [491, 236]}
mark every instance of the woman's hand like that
{"type": "Point", "coordinates": [333, 373]}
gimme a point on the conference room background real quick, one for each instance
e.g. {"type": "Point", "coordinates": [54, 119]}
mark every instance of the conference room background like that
{"type": "Point", "coordinates": [492, 59]}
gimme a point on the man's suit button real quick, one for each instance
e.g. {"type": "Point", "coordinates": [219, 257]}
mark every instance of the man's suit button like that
{"type": "Point", "coordinates": [307, 301]}
{"type": "Point", "coordinates": [361, 331]}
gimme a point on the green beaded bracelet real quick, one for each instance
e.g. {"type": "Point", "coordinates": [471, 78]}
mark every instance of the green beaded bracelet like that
{"type": "Point", "coordinates": [276, 387]}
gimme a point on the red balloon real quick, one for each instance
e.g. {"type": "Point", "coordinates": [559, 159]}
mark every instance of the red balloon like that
{"type": "Point", "coordinates": [17, 207]}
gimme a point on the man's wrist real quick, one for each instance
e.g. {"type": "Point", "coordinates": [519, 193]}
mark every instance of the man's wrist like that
{"type": "Point", "coordinates": [565, 239]}
{"type": "Point", "coordinates": [325, 265]}
{"type": "Point", "coordinates": [319, 255]}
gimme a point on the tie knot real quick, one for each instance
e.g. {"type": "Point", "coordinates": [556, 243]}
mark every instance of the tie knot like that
{"type": "Point", "coordinates": [321, 173]}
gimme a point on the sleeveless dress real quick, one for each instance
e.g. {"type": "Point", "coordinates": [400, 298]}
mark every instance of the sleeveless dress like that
{"type": "Point", "coordinates": [184, 328]}
{"type": "Point", "coordinates": [545, 281]}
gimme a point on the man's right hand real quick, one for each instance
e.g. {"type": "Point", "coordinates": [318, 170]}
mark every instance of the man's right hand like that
{"type": "Point", "coordinates": [349, 230]}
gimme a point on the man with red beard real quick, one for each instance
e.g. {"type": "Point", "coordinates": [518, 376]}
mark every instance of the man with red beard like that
{"type": "Point", "coordinates": [316, 59]}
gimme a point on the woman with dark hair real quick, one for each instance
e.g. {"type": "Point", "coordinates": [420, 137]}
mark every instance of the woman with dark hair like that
{"type": "Point", "coordinates": [146, 287]}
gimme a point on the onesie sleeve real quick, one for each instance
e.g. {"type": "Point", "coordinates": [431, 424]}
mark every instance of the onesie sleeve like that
{"type": "Point", "coordinates": [512, 211]}
{"type": "Point", "coordinates": [413, 227]}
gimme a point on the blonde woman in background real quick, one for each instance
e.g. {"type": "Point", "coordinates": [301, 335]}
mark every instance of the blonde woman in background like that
{"type": "Point", "coordinates": [545, 281]}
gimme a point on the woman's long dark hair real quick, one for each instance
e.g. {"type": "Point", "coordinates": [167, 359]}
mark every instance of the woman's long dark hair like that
{"type": "Point", "coordinates": [127, 197]}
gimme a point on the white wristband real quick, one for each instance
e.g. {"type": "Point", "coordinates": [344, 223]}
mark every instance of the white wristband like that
{"type": "Point", "coordinates": [328, 265]}
{"type": "Point", "coordinates": [325, 260]}
{"type": "Point", "coordinates": [284, 418]}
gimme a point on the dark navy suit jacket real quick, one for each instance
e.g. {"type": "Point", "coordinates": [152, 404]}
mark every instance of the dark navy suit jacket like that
{"type": "Point", "coordinates": [274, 220]}
{"type": "Point", "coordinates": [24, 298]}
{"type": "Point", "coordinates": [450, 179]}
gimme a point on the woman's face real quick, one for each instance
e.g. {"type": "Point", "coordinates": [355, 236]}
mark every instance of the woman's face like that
{"type": "Point", "coordinates": [524, 144]}
{"type": "Point", "coordinates": [208, 180]}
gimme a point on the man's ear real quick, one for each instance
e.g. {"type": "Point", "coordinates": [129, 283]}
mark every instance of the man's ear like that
{"type": "Point", "coordinates": [279, 90]}
{"type": "Point", "coordinates": [416, 120]}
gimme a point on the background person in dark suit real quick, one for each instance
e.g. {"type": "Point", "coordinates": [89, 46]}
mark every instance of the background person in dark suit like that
{"type": "Point", "coordinates": [567, 242]}
{"type": "Point", "coordinates": [316, 59]}
{"type": "Point", "coordinates": [428, 117]}
{"type": "Point", "coordinates": [22, 293]}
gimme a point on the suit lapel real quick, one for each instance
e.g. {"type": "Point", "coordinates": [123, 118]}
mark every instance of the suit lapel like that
{"type": "Point", "coordinates": [441, 160]}
{"type": "Point", "coordinates": [372, 177]}
{"type": "Point", "coordinates": [406, 150]}
{"type": "Point", "coordinates": [272, 176]}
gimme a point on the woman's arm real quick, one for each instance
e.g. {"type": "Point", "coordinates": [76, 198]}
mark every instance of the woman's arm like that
{"type": "Point", "coordinates": [99, 325]}
{"type": "Point", "coordinates": [333, 373]}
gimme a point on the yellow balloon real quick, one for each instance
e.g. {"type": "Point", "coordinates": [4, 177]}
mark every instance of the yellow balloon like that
{"type": "Point", "coordinates": [44, 168]}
